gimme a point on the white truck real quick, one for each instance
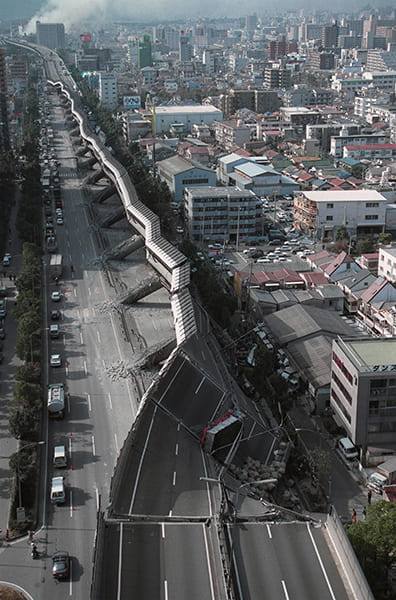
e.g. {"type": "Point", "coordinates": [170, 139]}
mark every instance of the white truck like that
{"type": "Point", "coordinates": [55, 266]}
{"type": "Point", "coordinates": [384, 475]}
{"type": "Point", "coordinates": [56, 401]}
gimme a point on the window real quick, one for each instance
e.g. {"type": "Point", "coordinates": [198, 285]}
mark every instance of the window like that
{"type": "Point", "coordinates": [329, 217]}
{"type": "Point", "coordinates": [371, 217]}
{"type": "Point", "coordinates": [330, 205]}
{"type": "Point", "coordinates": [345, 392]}
{"type": "Point", "coordinates": [372, 204]}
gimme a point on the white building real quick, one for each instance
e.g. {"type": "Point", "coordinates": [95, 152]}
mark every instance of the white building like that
{"type": "Point", "coordinates": [363, 390]}
{"type": "Point", "coordinates": [387, 263]}
{"type": "Point", "coordinates": [108, 93]}
{"type": "Point", "coordinates": [186, 114]}
{"type": "Point", "coordinates": [320, 214]}
{"type": "Point", "coordinates": [222, 213]}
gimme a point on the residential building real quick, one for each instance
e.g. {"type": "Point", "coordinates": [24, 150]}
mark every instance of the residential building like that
{"type": "Point", "coordinates": [222, 213]}
{"type": "Point", "coordinates": [185, 48]}
{"type": "Point", "coordinates": [330, 36]}
{"type": "Point", "coordinates": [229, 134]}
{"type": "Point", "coordinates": [321, 213]}
{"type": "Point", "coordinates": [179, 173]}
{"type": "Point", "coordinates": [387, 263]}
{"type": "Point", "coordinates": [322, 61]}
{"type": "Point", "coordinates": [363, 390]}
{"type": "Point", "coordinates": [280, 48]}
{"type": "Point", "coordinates": [51, 35]}
{"type": "Point", "coordinates": [108, 93]}
{"type": "Point", "coordinates": [370, 151]}
{"type": "Point", "coordinates": [259, 101]}
{"type": "Point", "coordinates": [276, 78]}
{"type": "Point", "coordinates": [338, 142]}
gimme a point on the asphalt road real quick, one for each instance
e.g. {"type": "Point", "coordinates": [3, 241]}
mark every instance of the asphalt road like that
{"type": "Point", "coordinates": [271, 563]}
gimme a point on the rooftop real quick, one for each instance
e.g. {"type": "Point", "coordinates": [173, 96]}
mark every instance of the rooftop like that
{"type": "Point", "coordinates": [345, 196]}
{"type": "Point", "coordinates": [371, 354]}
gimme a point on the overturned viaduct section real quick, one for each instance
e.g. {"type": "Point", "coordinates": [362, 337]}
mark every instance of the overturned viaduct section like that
{"type": "Point", "coordinates": [170, 264]}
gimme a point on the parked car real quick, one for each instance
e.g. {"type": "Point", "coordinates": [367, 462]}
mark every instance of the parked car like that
{"type": "Point", "coordinates": [54, 330]}
{"type": "Point", "coordinates": [56, 296]}
{"type": "Point", "coordinates": [55, 315]}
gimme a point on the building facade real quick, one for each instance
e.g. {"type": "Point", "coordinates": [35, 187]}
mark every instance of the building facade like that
{"type": "Point", "coordinates": [51, 35]}
{"type": "Point", "coordinates": [321, 213]}
{"type": "Point", "coordinates": [363, 390]}
{"type": "Point", "coordinates": [179, 173]}
{"type": "Point", "coordinates": [387, 263]}
{"type": "Point", "coordinates": [108, 94]}
{"type": "Point", "coordinates": [222, 214]}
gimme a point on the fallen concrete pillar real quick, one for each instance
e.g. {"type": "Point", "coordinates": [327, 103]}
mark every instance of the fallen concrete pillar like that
{"type": "Point", "coordinates": [124, 248]}
{"type": "Point", "coordinates": [88, 163]}
{"type": "Point", "coordinates": [111, 219]}
{"type": "Point", "coordinates": [155, 354]}
{"type": "Point", "coordinates": [109, 191]}
{"type": "Point", "coordinates": [94, 177]}
{"type": "Point", "coordinates": [145, 288]}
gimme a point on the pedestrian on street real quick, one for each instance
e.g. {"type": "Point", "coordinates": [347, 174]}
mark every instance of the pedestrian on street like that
{"type": "Point", "coordinates": [369, 496]}
{"type": "Point", "coordinates": [353, 515]}
{"type": "Point", "coordinates": [364, 513]}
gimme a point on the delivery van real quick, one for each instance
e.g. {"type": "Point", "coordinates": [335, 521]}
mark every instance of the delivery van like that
{"type": "Point", "coordinates": [60, 458]}
{"type": "Point", "coordinates": [348, 450]}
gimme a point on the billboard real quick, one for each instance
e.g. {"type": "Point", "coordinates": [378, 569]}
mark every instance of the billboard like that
{"type": "Point", "coordinates": [85, 37]}
{"type": "Point", "coordinates": [132, 102]}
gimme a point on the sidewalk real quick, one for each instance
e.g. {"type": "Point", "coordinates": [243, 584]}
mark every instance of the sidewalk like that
{"type": "Point", "coordinates": [8, 444]}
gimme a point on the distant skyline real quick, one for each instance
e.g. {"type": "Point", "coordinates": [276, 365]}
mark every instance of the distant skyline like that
{"type": "Point", "coordinates": [72, 12]}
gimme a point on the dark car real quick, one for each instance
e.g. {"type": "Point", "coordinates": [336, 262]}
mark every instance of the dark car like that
{"type": "Point", "coordinates": [55, 315]}
{"type": "Point", "coordinates": [61, 565]}
{"type": "Point", "coordinates": [256, 253]}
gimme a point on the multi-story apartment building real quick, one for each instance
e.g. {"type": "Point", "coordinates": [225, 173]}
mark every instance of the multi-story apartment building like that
{"type": "Point", "coordinates": [145, 58]}
{"type": "Point", "coordinates": [222, 213]}
{"type": "Point", "coordinates": [330, 35]}
{"type": "Point", "coordinates": [260, 101]}
{"type": "Point", "coordinates": [387, 264]}
{"type": "Point", "coordinates": [320, 214]}
{"type": "Point", "coordinates": [229, 134]}
{"type": "Point", "coordinates": [280, 48]}
{"type": "Point", "coordinates": [338, 142]}
{"type": "Point", "coordinates": [370, 151]}
{"type": "Point", "coordinates": [275, 78]}
{"type": "Point", "coordinates": [108, 93]}
{"type": "Point", "coordinates": [363, 390]}
{"type": "Point", "coordinates": [322, 61]}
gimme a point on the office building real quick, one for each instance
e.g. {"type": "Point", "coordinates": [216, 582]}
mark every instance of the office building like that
{"type": "Point", "coordinates": [145, 58]}
{"type": "Point", "coordinates": [51, 35]}
{"type": "Point", "coordinates": [185, 48]}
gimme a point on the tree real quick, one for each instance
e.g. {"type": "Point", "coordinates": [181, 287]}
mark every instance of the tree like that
{"type": "Point", "coordinates": [385, 238]}
{"type": "Point", "coordinates": [29, 334]}
{"type": "Point", "coordinates": [22, 422]}
{"type": "Point", "coordinates": [341, 234]}
{"type": "Point", "coordinates": [29, 373]}
{"type": "Point", "coordinates": [23, 463]}
{"type": "Point", "coordinates": [27, 394]}
{"type": "Point", "coordinates": [373, 541]}
{"type": "Point", "coordinates": [365, 246]}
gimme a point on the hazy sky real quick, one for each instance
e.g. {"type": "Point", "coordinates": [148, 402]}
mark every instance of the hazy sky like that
{"type": "Point", "coordinates": [75, 11]}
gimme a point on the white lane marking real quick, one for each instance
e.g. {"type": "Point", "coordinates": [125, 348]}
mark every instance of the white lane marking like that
{"type": "Point", "coordinates": [120, 563]}
{"type": "Point", "coordinates": [171, 381]}
{"type": "Point", "coordinates": [103, 364]}
{"type": "Point", "coordinates": [93, 446]}
{"type": "Point", "coordinates": [116, 442]}
{"type": "Point", "coordinates": [98, 336]}
{"type": "Point", "coordinates": [71, 503]}
{"type": "Point", "coordinates": [110, 402]}
{"type": "Point", "coordinates": [320, 562]}
{"type": "Point", "coordinates": [93, 312]}
{"type": "Point", "coordinates": [269, 532]}
{"type": "Point", "coordinates": [170, 513]}
{"type": "Point", "coordinates": [177, 449]}
{"type": "Point", "coordinates": [71, 580]}
{"type": "Point", "coordinates": [97, 498]}
{"type": "Point", "coordinates": [78, 314]}
{"type": "Point", "coordinates": [85, 368]}
{"type": "Point", "coordinates": [163, 530]}
{"type": "Point", "coordinates": [70, 449]}
{"type": "Point", "coordinates": [89, 291]}
{"type": "Point", "coordinates": [166, 589]}
{"type": "Point", "coordinates": [205, 533]}
{"type": "Point", "coordinates": [203, 354]}
{"type": "Point", "coordinates": [75, 292]}
{"type": "Point", "coordinates": [174, 477]}
{"type": "Point", "coordinates": [81, 339]}
{"type": "Point", "coordinates": [89, 402]}
{"type": "Point", "coordinates": [285, 589]}
{"type": "Point", "coordinates": [178, 427]}
{"type": "Point", "coordinates": [199, 385]}
{"type": "Point", "coordinates": [64, 340]}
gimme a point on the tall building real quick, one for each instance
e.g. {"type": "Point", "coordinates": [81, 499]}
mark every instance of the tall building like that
{"type": "Point", "coordinates": [251, 22]}
{"type": "Point", "coordinates": [330, 36]}
{"type": "Point", "coordinates": [185, 48]}
{"type": "Point", "coordinates": [108, 93]}
{"type": "Point", "coordinates": [4, 133]}
{"type": "Point", "coordinates": [275, 78]}
{"type": "Point", "coordinates": [145, 58]}
{"type": "Point", "coordinates": [51, 35]}
{"type": "Point", "coordinates": [278, 49]}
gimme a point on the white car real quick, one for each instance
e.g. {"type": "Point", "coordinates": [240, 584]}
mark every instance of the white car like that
{"type": "Point", "coordinates": [55, 360]}
{"type": "Point", "coordinates": [56, 296]}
